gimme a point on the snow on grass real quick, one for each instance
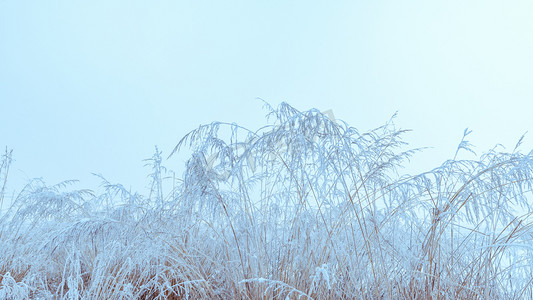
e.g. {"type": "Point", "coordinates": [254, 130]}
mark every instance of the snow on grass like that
{"type": "Point", "coordinates": [305, 207]}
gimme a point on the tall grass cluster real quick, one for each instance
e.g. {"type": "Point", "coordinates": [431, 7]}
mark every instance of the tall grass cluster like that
{"type": "Point", "coordinates": [303, 208]}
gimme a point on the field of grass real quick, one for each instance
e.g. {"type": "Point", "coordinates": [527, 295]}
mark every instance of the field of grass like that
{"type": "Point", "coordinates": [303, 208]}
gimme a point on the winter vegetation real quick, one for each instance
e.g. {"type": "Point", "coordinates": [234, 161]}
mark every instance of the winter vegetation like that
{"type": "Point", "coordinates": [304, 208]}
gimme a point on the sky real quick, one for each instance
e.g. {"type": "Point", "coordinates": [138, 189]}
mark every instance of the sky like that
{"type": "Point", "coordinates": [93, 86]}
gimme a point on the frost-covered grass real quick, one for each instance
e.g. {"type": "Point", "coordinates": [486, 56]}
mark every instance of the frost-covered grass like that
{"type": "Point", "coordinates": [304, 208]}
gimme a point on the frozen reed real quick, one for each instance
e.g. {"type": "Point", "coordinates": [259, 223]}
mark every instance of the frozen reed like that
{"type": "Point", "coordinates": [303, 208]}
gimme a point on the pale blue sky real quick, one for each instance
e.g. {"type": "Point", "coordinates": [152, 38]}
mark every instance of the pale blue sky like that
{"type": "Point", "coordinates": [92, 86]}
